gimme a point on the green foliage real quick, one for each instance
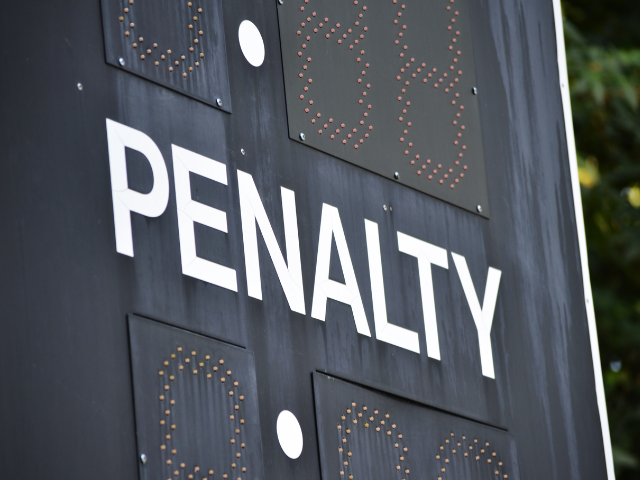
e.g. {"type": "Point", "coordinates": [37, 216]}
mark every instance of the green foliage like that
{"type": "Point", "coordinates": [604, 68]}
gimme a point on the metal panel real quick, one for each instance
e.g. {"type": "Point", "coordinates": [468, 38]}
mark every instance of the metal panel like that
{"type": "Point", "coordinates": [389, 86]}
{"type": "Point", "coordinates": [196, 405]}
{"type": "Point", "coordinates": [363, 434]}
{"type": "Point", "coordinates": [179, 45]}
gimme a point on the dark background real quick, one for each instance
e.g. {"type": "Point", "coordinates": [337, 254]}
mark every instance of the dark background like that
{"type": "Point", "coordinates": [67, 402]}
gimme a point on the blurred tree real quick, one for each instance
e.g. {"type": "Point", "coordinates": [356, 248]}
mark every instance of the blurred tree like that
{"type": "Point", "coordinates": [603, 53]}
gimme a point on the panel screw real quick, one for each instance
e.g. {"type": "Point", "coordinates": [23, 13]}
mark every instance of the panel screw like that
{"type": "Point", "coordinates": [390, 208]}
{"type": "Point", "coordinates": [121, 61]}
{"type": "Point", "coordinates": [474, 90]}
{"type": "Point", "coordinates": [479, 208]}
{"type": "Point", "coordinates": [80, 86]}
{"type": "Point", "coordinates": [143, 458]}
{"type": "Point", "coordinates": [218, 102]}
{"type": "Point", "coordinates": [242, 151]}
{"type": "Point", "coordinates": [384, 207]}
{"type": "Point", "coordinates": [396, 175]}
{"type": "Point", "coordinates": [281, 2]}
{"type": "Point", "coordinates": [302, 137]}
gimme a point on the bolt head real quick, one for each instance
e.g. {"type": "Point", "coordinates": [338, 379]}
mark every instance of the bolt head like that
{"type": "Point", "coordinates": [143, 458]}
{"type": "Point", "coordinates": [474, 90]}
{"type": "Point", "coordinates": [80, 87]}
{"type": "Point", "coordinates": [218, 102]}
{"type": "Point", "coordinates": [281, 2]}
{"type": "Point", "coordinates": [302, 136]}
{"type": "Point", "coordinates": [121, 61]}
{"type": "Point", "coordinates": [396, 175]}
{"type": "Point", "coordinates": [384, 207]}
{"type": "Point", "coordinates": [479, 208]}
{"type": "Point", "coordinates": [242, 151]}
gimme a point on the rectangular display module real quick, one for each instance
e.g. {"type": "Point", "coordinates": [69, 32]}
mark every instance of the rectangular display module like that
{"type": "Point", "coordinates": [368, 435]}
{"type": "Point", "coordinates": [179, 45]}
{"type": "Point", "coordinates": [389, 86]}
{"type": "Point", "coordinates": [196, 405]}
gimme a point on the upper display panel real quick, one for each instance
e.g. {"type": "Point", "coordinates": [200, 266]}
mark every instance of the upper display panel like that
{"type": "Point", "coordinates": [388, 85]}
{"type": "Point", "coordinates": [177, 44]}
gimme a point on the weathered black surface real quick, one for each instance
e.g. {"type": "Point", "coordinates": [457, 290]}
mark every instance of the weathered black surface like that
{"type": "Point", "coordinates": [388, 88]}
{"type": "Point", "coordinates": [363, 434]}
{"type": "Point", "coordinates": [191, 416]}
{"type": "Point", "coordinates": [67, 398]}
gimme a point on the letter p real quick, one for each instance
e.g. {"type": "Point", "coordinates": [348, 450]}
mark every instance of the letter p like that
{"type": "Point", "coordinates": [125, 200]}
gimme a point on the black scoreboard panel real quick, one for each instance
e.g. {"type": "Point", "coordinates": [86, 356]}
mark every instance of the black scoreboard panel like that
{"type": "Point", "coordinates": [85, 330]}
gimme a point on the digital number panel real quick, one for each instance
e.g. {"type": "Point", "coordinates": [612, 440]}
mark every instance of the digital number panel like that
{"type": "Point", "coordinates": [196, 405]}
{"type": "Point", "coordinates": [180, 45]}
{"type": "Point", "coordinates": [368, 435]}
{"type": "Point", "coordinates": [388, 85]}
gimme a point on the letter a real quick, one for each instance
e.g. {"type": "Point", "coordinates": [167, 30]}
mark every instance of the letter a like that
{"type": "Point", "coordinates": [323, 289]}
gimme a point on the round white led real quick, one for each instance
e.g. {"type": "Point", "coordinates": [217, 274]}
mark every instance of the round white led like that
{"type": "Point", "coordinates": [251, 43]}
{"type": "Point", "coordinates": [289, 434]}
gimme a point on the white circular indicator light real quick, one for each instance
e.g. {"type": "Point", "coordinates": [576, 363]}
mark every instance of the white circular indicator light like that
{"type": "Point", "coordinates": [289, 434]}
{"type": "Point", "coordinates": [251, 43]}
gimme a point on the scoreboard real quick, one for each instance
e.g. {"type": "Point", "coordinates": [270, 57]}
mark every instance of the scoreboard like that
{"type": "Point", "coordinates": [320, 239]}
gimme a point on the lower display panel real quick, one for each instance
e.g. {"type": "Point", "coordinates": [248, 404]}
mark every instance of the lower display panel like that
{"type": "Point", "coordinates": [367, 435]}
{"type": "Point", "coordinates": [196, 405]}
